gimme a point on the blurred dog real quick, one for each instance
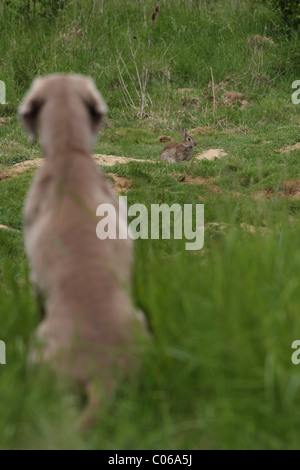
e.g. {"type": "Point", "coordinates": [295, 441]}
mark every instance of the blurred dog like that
{"type": "Point", "coordinates": [88, 331]}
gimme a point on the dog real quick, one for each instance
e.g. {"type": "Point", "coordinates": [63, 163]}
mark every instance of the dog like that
{"type": "Point", "coordinates": [89, 327]}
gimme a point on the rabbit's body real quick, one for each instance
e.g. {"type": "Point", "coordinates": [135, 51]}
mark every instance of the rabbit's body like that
{"type": "Point", "coordinates": [176, 152]}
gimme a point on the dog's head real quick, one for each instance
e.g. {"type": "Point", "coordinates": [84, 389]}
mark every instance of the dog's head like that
{"type": "Point", "coordinates": [64, 103]}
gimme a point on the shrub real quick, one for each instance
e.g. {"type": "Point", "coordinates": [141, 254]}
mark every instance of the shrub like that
{"type": "Point", "coordinates": [290, 10]}
{"type": "Point", "coordinates": [30, 9]}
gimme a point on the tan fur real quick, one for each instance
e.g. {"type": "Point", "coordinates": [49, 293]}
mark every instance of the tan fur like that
{"type": "Point", "coordinates": [89, 323]}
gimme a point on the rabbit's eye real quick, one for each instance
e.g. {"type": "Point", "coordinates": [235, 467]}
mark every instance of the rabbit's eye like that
{"type": "Point", "coordinates": [189, 138]}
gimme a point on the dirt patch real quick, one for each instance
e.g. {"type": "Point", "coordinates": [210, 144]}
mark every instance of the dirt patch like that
{"type": "Point", "coordinates": [183, 178]}
{"type": "Point", "coordinates": [232, 96]}
{"type": "Point", "coordinates": [244, 105]}
{"type": "Point", "coordinates": [221, 96]}
{"type": "Point", "coordinates": [291, 191]}
{"type": "Point", "coordinates": [291, 148]}
{"type": "Point", "coordinates": [186, 90]}
{"type": "Point", "coordinates": [180, 177]}
{"type": "Point", "coordinates": [19, 168]}
{"type": "Point", "coordinates": [5, 227]}
{"type": "Point", "coordinates": [111, 160]}
{"type": "Point", "coordinates": [121, 183]}
{"type": "Point", "coordinates": [222, 227]}
{"type": "Point", "coordinates": [215, 189]}
{"type": "Point", "coordinates": [211, 154]}
{"type": "Point", "coordinates": [263, 40]}
{"type": "Point", "coordinates": [197, 180]}
{"type": "Point", "coordinates": [164, 138]}
{"type": "Point", "coordinates": [4, 175]}
{"type": "Point", "coordinates": [264, 193]}
{"type": "Point", "coordinates": [10, 144]}
{"type": "Point", "coordinates": [252, 229]}
{"type": "Point", "coordinates": [104, 160]}
{"type": "Point", "coordinates": [237, 130]}
{"type": "Point", "coordinates": [2, 121]}
{"type": "Point", "coordinates": [216, 226]}
{"type": "Point", "coordinates": [123, 132]}
{"type": "Point", "coordinates": [22, 166]}
{"type": "Point", "coordinates": [234, 99]}
{"type": "Point", "coordinates": [204, 130]}
{"type": "Point", "coordinates": [192, 102]}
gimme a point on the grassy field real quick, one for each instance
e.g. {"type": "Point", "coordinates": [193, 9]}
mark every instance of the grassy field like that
{"type": "Point", "coordinates": [219, 373]}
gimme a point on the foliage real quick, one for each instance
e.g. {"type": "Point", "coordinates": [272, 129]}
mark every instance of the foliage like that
{"type": "Point", "coordinates": [218, 373]}
{"type": "Point", "coordinates": [31, 9]}
{"type": "Point", "coordinates": [290, 10]}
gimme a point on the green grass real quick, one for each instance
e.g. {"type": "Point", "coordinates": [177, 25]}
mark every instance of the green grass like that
{"type": "Point", "coordinates": [218, 374]}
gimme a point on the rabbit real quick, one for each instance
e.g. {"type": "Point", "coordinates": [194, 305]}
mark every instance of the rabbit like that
{"type": "Point", "coordinates": [176, 152]}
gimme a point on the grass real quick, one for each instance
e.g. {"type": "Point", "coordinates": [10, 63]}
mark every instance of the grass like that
{"type": "Point", "coordinates": [219, 373]}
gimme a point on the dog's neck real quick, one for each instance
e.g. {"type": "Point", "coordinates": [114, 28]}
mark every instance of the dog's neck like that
{"type": "Point", "coordinates": [60, 133]}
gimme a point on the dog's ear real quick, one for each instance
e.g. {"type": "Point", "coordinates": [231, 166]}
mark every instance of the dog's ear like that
{"type": "Point", "coordinates": [183, 132]}
{"type": "Point", "coordinates": [30, 107]}
{"type": "Point", "coordinates": [96, 105]}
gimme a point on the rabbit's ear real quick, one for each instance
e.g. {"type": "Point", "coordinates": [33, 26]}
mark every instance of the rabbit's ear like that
{"type": "Point", "coordinates": [183, 132]}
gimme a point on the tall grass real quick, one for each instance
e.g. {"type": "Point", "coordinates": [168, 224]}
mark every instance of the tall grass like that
{"type": "Point", "coordinates": [188, 40]}
{"type": "Point", "coordinates": [219, 373]}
